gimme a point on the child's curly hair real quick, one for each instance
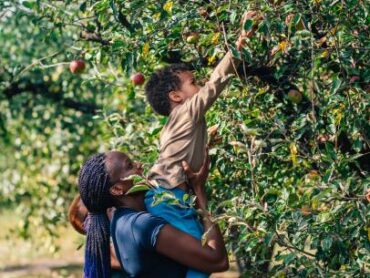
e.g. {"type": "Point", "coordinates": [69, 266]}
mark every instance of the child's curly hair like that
{"type": "Point", "coordinates": [160, 84]}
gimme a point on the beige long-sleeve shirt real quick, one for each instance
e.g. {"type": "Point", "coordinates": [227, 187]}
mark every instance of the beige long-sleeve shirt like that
{"type": "Point", "coordinates": [184, 136]}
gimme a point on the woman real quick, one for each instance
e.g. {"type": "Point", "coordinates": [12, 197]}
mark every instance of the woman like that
{"type": "Point", "coordinates": [146, 246]}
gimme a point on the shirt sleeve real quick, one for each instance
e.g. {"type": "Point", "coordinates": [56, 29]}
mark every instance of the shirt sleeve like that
{"type": "Point", "coordinates": [198, 104]}
{"type": "Point", "coordinates": [148, 227]}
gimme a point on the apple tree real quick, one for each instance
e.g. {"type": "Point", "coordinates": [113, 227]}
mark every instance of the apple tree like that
{"type": "Point", "coordinates": [290, 135]}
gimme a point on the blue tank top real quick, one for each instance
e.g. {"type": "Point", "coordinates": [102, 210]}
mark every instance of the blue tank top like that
{"type": "Point", "coordinates": [134, 236]}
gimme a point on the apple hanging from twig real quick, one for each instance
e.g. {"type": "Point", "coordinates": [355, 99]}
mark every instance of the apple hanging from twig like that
{"type": "Point", "coordinates": [192, 38]}
{"type": "Point", "coordinates": [295, 96]}
{"type": "Point", "coordinates": [137, 78]}
{"type": "Point", "coordinates": [77, 66]}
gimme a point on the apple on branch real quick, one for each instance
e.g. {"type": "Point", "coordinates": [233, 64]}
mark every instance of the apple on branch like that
{"type": "Point", "coordinates": [77, 66]}
{"type": "Point", "coordinates": [137, 79]}
{"type": "Point", "coordinates": [295, 96]}
{"type": "Point", "coordinates": [192, 38]}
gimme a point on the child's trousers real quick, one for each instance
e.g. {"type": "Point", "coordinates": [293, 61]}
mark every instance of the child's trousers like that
{"type": "Point", "coordinates": [182, 216]}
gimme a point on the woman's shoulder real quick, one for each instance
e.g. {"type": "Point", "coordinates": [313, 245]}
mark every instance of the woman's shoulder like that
{"type": "Point", "coordinates": [142, 226]}
{"type": "Point", "coordinates": [136, 220]}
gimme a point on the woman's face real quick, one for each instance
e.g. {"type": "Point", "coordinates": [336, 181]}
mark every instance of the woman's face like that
{"type": "Point", "coordinates": [120, 166]}
{"type": "Point", "coordinates": [133, 168]}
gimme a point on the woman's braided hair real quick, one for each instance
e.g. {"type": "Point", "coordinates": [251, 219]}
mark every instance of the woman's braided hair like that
{"type": "Point", "coordinates": [94, 184]}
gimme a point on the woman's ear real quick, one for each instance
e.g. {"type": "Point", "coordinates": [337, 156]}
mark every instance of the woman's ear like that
{"type": "Point", "coordinates": [117, 189]}
{"type": "Point", "coordinates": [175, 96]}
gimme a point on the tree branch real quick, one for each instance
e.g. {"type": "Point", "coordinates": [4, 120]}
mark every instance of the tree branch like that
{"type": "Point", "coordinates": [94, 37]}
{"type": "Point", "coordinates": [42, 89]}
{"type": "Point", "coordinates": [121, 18]}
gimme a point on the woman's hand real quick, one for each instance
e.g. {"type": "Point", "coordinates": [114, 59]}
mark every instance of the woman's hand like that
{"type": "Point", "coordinates": [187, 250]}
{"type": "Point", "coordinates": [198, 179]}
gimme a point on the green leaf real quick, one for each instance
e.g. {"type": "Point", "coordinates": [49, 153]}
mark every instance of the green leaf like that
{"type": "Point", "coordinates": [28, 4]}
{"type": "Point", "coordinates": [296, 19]}
{"type": "Point", "coordinates": [326, 243]}
{"type": "Point", "coordinates": [101, 6]}
{"type": "Point", "coordinates": [335, 85]}
{"type": "Point", "coordinates": [185, 197]}
{"type": "Point", "coordinates": [155, 131]}
{"type": "Point", "coordinates": [247, 55]}
{"type": "Point", "coordinates": [233, 17]}
{"type": "Point", "coordinates": [83, 7]}
{"type": "Point", "coordinates": [235, 52]}
{"type": "Point", "coordinates": [289, 258]}
{"type": "Point", "coordinates": [293, 200]}
{"type": "Point", "coordinates": [117, 44]}
{"type": "Point", "coordinates": [248, 24]}
{"type": "Point", "coordinates": [304, 34]}
{"type": "Point", "coordinates": [330, 151]}
{"type": "Point", "coordinates": [138, 188]}
{"type": "Point", "coordinates": [134, 178]}
{"type": "Point", "coordinates": [263, 28]}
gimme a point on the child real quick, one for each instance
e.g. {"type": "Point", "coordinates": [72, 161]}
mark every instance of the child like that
{"type": "Point", "coordinates": [173, 92]}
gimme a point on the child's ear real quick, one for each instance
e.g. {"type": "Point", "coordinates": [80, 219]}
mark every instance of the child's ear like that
{"type": "Point", "coordinates": [175, 96]}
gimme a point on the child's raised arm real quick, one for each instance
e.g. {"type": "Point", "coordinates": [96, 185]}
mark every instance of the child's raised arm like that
{"type": "Point", "coordinates": [198, 105]}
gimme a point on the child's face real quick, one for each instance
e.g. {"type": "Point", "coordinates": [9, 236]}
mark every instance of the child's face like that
{"type": "Point", "coordinates": [189, 86]}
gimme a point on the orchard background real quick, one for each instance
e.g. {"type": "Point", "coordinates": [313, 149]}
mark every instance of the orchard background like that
{"type": "Point", "coordinates": [290, 171]}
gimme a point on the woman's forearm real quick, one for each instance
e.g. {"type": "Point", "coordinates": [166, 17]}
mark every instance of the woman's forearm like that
{"type": "Point", "coordinates": [213, 235]}
{"type": "Point", "coordinates": [201, 200]}
{"type": "Point", "coordinates": [215, 240]}
{"type": "Point", "coordinates": [188, 250]}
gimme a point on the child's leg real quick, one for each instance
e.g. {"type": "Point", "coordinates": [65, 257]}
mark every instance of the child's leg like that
{"type": "Point", "coordinates": [180, 215]}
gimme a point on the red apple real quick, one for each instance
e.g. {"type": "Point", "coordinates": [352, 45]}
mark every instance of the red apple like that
{"type": "Point", "coordinates": [137, 78]}
{"type": "Point", "coordinates": [322, 138]}
{"type": "Point", "coordinates": [367, 194]}
{"type": "Point", "coordinates": [77, 66]}
{"type": "Point", "coordinates": [354, 79]}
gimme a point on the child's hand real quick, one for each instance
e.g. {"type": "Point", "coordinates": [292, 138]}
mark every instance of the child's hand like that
{"type": "Point", "coordinates": [247, 34]}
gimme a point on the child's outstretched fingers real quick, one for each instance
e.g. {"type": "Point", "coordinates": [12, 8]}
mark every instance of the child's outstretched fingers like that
{"type": "Point", "coordinates": [248, 15]}
{"type": "Point", "coordinates": [247, 34]}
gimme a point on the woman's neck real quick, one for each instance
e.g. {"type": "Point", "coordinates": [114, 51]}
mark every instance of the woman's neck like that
{"type": "Point", "coordinates": [135, 202]}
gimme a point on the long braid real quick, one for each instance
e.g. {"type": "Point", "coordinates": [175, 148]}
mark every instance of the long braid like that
{"type": "Point", "coordinates": [94, 187]}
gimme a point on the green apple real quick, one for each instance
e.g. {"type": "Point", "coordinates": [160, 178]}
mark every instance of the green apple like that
{"type": "Point", "coordinates": [295, 96]}
{"type": "Point", "coordinates": [192, 38]}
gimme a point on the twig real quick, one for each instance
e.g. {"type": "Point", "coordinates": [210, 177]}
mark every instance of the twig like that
{"type": "Point", "coordinates": [53, 65]}
{"type": "Point", "coordinates": [312, 83]}
{"type": "Point", "coordinates": [94, 37]}
{"type": "Point", "coordinates": [282, 242]}
{"type": "Point", "coordinates": [228, 48]}
{"type": "Point", "coordinates": [39, 61]}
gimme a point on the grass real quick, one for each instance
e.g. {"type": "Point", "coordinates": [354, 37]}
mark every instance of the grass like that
{"type": "Point", "coordinates": [21, 259]}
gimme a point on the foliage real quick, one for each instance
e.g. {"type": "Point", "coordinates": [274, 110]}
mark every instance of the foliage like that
{"type": "Point", "coordinates": [284, 174]}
